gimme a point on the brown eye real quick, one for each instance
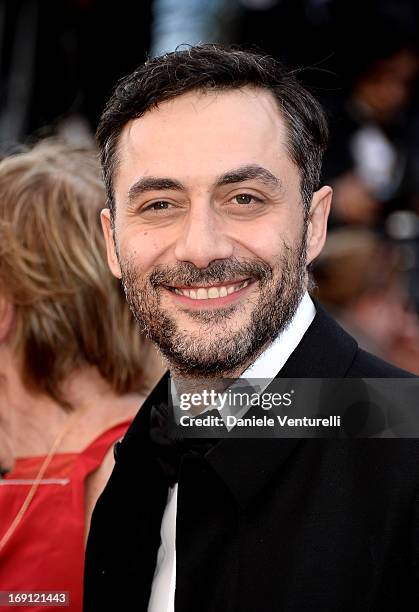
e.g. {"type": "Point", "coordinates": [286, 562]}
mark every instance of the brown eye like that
{"type": "Point", "coordinates": [244, 198]}
{"type": "Point", "coordinates": [156, 207]}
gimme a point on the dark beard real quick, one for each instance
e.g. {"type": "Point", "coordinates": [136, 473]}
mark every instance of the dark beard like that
{"type": "Point", "coordinates": [216, 350]}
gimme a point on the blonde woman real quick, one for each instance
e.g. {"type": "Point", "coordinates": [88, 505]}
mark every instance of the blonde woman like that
{"type": "Point", "coordinates": [73, 366]}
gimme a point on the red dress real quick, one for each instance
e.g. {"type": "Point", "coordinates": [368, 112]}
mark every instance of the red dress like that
{"type": "Point", "coordinates": [46, 552]}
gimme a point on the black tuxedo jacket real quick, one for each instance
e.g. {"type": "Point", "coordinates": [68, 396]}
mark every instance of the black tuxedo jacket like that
{"type": "Point", "coordinates": [267, 525]}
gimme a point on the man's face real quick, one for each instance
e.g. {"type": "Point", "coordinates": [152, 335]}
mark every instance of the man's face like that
{"type": "Point", "coordinates": [209, 236]}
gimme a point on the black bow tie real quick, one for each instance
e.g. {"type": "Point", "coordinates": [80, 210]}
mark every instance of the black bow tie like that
{"type": "Point", "coordinates": [168, 443]}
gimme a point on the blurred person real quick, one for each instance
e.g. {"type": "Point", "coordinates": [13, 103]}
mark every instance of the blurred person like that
{"type": "Point", "coordinates": [212, 163]}
{"type": "Point", "coordinates": [73, 366]}
{"type": "Point", "coordinates": [370, 162]}
{"type": "Point", "coordinates": [360, 279]}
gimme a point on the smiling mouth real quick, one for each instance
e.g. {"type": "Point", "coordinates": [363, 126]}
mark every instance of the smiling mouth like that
{"type": "Point", "coordinates": [210, 292]}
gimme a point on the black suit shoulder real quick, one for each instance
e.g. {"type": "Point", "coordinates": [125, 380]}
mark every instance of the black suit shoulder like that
{"type": "Point", "coordinates": [346, 507]}
{"type": "Point", "coordinates": [328, 351]}
{"type": "Point", "coordinates": [366, 365]}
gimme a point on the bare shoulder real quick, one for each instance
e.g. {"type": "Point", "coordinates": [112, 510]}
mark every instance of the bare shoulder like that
{"type": "Point", "coordinates": [94, 485]}
{"type": "Point", "coordinates": [123, 408]}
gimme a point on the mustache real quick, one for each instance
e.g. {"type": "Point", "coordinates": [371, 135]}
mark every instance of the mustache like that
{"type": "Point", "coordinates": [185, 273]}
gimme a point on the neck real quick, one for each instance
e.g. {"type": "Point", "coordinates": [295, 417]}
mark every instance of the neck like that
{"type": "Point", "coordinates": [34, 420]}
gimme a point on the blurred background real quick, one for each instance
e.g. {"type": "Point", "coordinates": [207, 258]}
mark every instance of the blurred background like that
{"type": "Point", "coordinates": [59, 60]}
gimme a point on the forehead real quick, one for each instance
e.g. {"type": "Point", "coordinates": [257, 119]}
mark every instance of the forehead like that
{"type": "Point", "coordinates": [202, 134]}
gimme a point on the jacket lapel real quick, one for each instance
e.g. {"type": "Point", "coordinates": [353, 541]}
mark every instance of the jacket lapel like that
{"type": "Point", "coordinates": [325, 351]}
{"type": "Point", "coordinates": [247, 465]}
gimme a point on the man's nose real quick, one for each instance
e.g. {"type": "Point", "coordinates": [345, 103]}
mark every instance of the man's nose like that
{"type": "Point", "coordinates": [202, 239]}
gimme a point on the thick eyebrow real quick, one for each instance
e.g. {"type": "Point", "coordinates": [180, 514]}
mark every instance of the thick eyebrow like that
{"type": "Point", "coordinates": [239, 175]}
{"type": "Point", "coordinates": [152, 183]}
{"type": "Point", "coordinates": [248, 173]}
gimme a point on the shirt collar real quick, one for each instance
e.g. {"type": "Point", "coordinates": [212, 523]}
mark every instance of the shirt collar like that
{"type": "Point", "coordinates": [267, 365]}
{"type": "Point", "coordinates": [275, 356]}
{"type": "Point", "coordinates": [272, 360]}
{"type": "Point", "coordinates": [325, 351]}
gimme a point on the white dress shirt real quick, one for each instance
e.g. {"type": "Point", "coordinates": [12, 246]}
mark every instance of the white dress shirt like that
{"type": "Point", "coordinates": [266, 366]}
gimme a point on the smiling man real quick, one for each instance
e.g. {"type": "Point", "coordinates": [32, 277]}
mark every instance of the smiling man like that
{"type": "Point", "coordinates": [212, 234]}
{"type": "Point", "coordinates": [212, 162]}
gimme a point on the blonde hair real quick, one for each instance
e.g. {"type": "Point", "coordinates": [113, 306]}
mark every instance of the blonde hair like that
{"type": "Point", "coordinates": [69, 310]}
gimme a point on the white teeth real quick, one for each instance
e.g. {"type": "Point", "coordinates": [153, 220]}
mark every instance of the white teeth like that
{"type": "Point", "coordinates": [202, 294]}
{"type": "Point", "coordinates": [210, 293]}
{"type": "Point", "coordinates": [213, 292]}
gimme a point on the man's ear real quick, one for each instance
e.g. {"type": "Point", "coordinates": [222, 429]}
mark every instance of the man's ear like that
{"type": "Point", "coordinates": [105, 217]}
{"type": "Point", "coordinates": [317, 222]}
{"type": "Point", "coordinates": [7, 314]}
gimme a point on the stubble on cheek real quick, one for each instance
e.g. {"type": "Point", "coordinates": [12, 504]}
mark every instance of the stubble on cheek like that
{"type": "Point", "coordinates": [220, 340]}
{"type": "Point", "coordinates": [142, 298]}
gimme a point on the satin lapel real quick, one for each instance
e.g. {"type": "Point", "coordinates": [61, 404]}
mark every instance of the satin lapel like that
{"type": "Point", "coordinates": [137, 494]}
